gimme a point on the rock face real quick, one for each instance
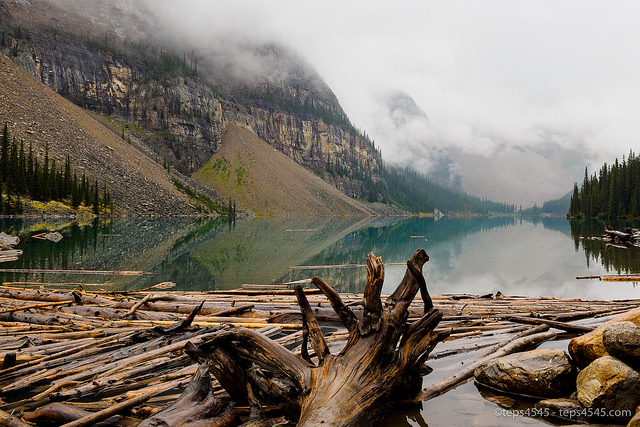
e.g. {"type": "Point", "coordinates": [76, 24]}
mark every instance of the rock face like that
{"type": "Point", "coordinates": [183, 113]}
{"type": "Point", "coordinates": [138, 184]}
{"type": "Point", "coordinates": [622, 340]}
{"type": "Point", "coordinates": [545, 373]}
{"type": "Point", "coordinates": [608, 384]}
{"type": "Point", "coordinates": [588, 347]}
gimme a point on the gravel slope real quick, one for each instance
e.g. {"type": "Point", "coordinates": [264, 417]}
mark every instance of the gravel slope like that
{"type": "Point", "coordinates": [38, 115]}
{"type": "Point", "coordinates": [264, 181]}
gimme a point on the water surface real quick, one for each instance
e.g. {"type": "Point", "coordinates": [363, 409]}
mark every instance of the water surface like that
{"type": "Point", "coordinates": [477, 256]}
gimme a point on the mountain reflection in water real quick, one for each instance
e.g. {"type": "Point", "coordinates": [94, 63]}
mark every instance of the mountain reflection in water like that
{"type": "Point", "coordinates": [468, 255]}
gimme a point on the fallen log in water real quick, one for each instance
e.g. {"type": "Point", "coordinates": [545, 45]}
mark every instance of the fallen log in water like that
{"type": "Point", "coordinates": [614, 278]}
{"type": "Point", "coordinates": [552, 323]}
{"type": "Point", "coordinates": [7, 240]}
{"type": "Point", "coordinates": [52, 271]}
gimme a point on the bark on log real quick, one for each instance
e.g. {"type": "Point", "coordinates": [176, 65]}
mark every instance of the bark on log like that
{"type": "Point", "coordinates": [567, 327]}
{"type": "Point", "coordinates": [381, 362]}
{"type": "Point", "coordinates": [8, 420]}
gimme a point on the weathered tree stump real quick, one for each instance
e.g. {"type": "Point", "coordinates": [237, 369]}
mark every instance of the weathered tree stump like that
{"type": "Point", "coordinates": [381, 362]}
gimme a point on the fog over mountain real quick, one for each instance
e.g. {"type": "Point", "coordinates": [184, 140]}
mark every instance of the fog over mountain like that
{"type": "Point", "coordinates": [510, 99]}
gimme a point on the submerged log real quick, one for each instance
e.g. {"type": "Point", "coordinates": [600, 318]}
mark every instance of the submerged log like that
{"type": "Point", "coordinates": [382, 361]}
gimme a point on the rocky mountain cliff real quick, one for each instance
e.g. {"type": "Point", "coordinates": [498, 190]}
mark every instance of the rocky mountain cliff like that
{"type": "Point", "coordinates": [177, 101]}
{"type": "Point", "coordinates": [38, 116]}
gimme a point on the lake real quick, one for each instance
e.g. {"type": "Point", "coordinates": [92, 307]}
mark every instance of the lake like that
{"type": "Point", "coordinates": [471, 255]}
{"type": "Point", "coordinates": [515, 256]}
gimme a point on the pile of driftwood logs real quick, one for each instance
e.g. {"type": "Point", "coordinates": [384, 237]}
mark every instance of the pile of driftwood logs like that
{"type": "Point", "coordinates": [285, 357]}
{"type": "Point", "coordinates": [627, 237]}
{"type": "Point", "coordinates": [7, 252]}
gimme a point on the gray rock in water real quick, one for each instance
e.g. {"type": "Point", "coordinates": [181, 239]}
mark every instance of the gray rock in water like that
{"type": "Point", "coordinates": [622, 340]}
{"type": "Point", "coordinates": [544, 373]}
{"type": "Point", "coordinates": [607, 385]}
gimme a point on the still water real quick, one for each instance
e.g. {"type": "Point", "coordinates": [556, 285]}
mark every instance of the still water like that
{"type": "Point", "coordinates": [476, 256]}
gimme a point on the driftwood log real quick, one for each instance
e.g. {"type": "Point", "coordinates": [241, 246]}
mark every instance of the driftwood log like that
{"type": "Point", "coordinates": [629, 236]}
{"type": "Point", "coordinates": [381, 363]}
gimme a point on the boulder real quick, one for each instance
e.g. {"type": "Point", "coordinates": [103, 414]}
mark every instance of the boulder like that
{"type": "Point", "coordinates": [544, 373]}
{"type": "Point", "coordinates": [608, 385]}
{"type": "Point", "coordinates": [562, 408]}
{"type": "Point", "coordinates": [635, 421]}
{"type": "Point", "coordinates": [622, 340]}
{"type": "Point", "coordinates": [588, 347]}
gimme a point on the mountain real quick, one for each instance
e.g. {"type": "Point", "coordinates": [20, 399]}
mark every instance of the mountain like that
{"type": "Point", "coordinates": [518, 174]}
{"type": "Point", "coordinates": [508, 174]}
{"type": "Point", "coordinates": [174, 100]}
{"type": "Point", "coordinates": [260, 179]}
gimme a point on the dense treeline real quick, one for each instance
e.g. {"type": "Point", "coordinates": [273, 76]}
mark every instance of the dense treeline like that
{"type": "Point", "coordinates": [557, 207]}
{"type": "Point", "coordinates": [612, 193]}
{"type": "Point", "coordinates": [22, 175]}
{"type": "Point", "coordinates": [414, 192]}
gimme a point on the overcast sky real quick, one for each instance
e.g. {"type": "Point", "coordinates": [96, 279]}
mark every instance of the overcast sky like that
{"type": "Point", "coordinates": [486, 73]}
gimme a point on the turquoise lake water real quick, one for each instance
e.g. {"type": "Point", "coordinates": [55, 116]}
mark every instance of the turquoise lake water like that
{"type": "Point", "coordinates": [477, 256]}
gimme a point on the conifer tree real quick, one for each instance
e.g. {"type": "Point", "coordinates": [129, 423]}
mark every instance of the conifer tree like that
{"type": "Point", "coordinates": [4, 154]}
{"type": "Point", "coordinates": [96, 199]}
{"type": "Point", "coordinates": [612, 193]}
{"type": "Point", "coordinates": [76, 195]}
{"type": "Point", "coordinates": [21, 178]}
{"type": "Point", "coordinates": [12, 167]}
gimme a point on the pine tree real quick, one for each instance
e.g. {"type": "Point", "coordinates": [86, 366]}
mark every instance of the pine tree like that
{"type": "Point", "coordinates": [4, 154]}
{"type": "Point", "coordinates": [84, 190]}
{"type": "Point", "coordinates": [45, 180]}
{"type": "Point", "coordinates": [67, 180]}
{"type": "Point", "coordinates": [21, 172]}
{"type": "Point", "coordinates": [96, 199]}
{"type": "Point", "coordinates": [29, 171]}
{"type": "Point", "coordinates": [76, 194]}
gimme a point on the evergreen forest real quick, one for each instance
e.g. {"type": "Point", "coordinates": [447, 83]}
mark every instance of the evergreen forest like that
{"type": "Point", "coordinates": [614, 192]}
{"type": "Point", "coordinates": [416, 193]}
{"type": "Point", "coordinates": [23, 175]}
